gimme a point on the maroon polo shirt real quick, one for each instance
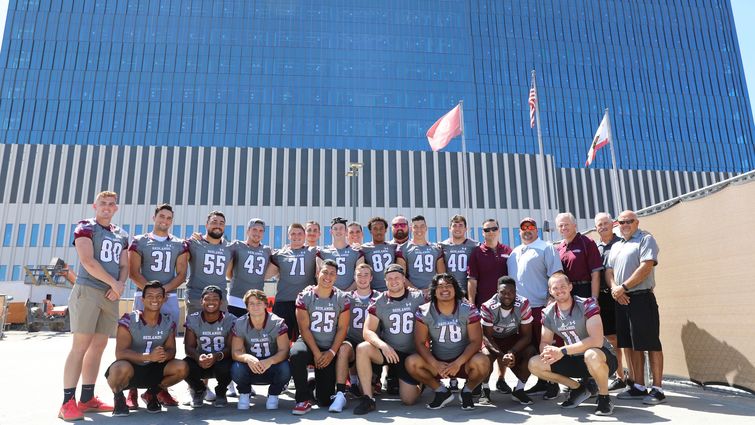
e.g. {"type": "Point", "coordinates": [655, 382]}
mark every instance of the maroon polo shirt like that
{"type": "Point", "coordinates": [580, 258]}
{"type": "Point", "coordinates": [486, 265]}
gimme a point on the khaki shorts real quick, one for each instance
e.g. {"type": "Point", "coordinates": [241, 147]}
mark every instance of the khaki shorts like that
{"type": "Point", "coordinates": [91, 312]}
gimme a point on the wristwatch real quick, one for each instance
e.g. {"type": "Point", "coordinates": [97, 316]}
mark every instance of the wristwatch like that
{"type": "Point", "coordinates": [563, 351]}
{"type": "Point", "coordinates": [624, 285]}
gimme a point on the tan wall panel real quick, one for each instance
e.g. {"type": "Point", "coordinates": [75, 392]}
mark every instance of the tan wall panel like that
{"type": "Point", "coordinates": [705, 286]}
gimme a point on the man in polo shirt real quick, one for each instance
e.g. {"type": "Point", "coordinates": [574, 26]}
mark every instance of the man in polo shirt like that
{"type": "Point", "coordinates": [630, 275]}
{"type": "Point", "coordinates": [579, 257]}
{"type": "Point", "coordinates": [531, 264]}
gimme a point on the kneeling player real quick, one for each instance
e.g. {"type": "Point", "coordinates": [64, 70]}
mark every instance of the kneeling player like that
{"type": "Point", "coordinates": [507, 334]}
{"type": "Point", "coordinates": [145, 350]}
{"type": "Point", "coordinates": [452, 326]}
{"type": "Point", "coordinates": [393, 312]}
{"type": "Point", "coordinates": [260, 351]}
{"type": "Point", "coordinates": [207, 345]}
{"type": "Point", "coordinates": [586, 351]}
{"type": "Point", "coordinates": [360, 299]}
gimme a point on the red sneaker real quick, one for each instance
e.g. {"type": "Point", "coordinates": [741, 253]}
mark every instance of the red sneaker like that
{"type": "Point", "coordinates": [132, 400]}
{"type": "Point", "coordinates": [95, 405]}
{"type": "Point", "coordinates": [166, 399]}
{"type": "Point", "coordinates": [302, 408]}
{"type": "Point", "coordinates": [70, 412]}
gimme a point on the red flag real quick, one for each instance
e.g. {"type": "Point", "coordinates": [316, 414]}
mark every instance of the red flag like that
{"type": "Point", "coordinates": [533, 103]}
{"type": "Point", "coordinates": [445, 129]}
{"type": "Point", "coordinates": [601, 139]}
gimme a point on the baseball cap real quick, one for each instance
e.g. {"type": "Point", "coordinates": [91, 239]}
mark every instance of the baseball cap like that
{"type": "Point", "coordinates": [528, 220]}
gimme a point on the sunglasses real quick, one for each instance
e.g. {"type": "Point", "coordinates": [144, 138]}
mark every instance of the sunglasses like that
{"type": "Point", "coordinates": [400, 225]}
{"type": "Point", "coordinates": [630, 221]}
{"type": "Point", "coordinates": [490, 229]}
{"type": "Point", "coordinates": [528, 227]}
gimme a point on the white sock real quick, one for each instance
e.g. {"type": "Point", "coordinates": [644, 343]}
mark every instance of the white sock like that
{"type": "Point", "coordinates": [640, 387]}
{"type": "Point", "coordinates": [659, 389]}
{"type": "Point", "coordinates": [519, 385]}
{"type": "Point", "coordinates": [486, 386]}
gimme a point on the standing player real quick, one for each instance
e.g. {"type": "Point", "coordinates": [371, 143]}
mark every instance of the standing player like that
{"type": "Point", "coordinates": [400, 229]}
{"type": "Point", "coordinates": [378, 254]}
{"type": "Point", "coordinates": [507, 334]}
{"type": "Point", "coordinates": [579, 257]}
{"type": "Point", "coordinates": [251, 260]}
{"type": "Point", "coordinates": [452, 327]}
{"type": "Point", "coordinates": [207, 346]}
{"type": "Point", "coordinates": [457, 250]}
{"type": "Point", "coordinates": [210, 258]}
{"type": "Point", "coordinates": [346, 256]}
{"type": "Point", "coordinates": [145, 351]}
{"type": "Point", "coordinates": [260, 351]}
{"type": "Point", "coordinates": [159, 256]}
{"type": "Point", "coordinates": [101, 247]}
{"type": "Point", "coordinates": [356, 234]}
{"type": "Point", "coordinates": [323, 313]}
{"type": "Point", "coordinates": [294, 265]}
{"type": "Point", "coordinates": [421, 259]}
{"type": "Point", "coordinates": [393, 312]}
{"type": "Point", "coordinates": [586, 352]}
{"type": "Point", "coordinates": [360, 300]}
{"type": "Point", "coordinates": [312, 230]}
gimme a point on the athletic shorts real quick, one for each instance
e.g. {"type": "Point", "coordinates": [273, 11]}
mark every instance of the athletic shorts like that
{"type": "Point", "coordinates": [399, 369]}
{"type": "Point", "coordinates": [91, 312]}
{"type": "Point", "coordinates": [145, 376]}
{"type": "Point", "coordinates": [638, 325]}
{"type": "Point", "coordinates": [607, 312]}
{"type": "Point", "coordinates": [575, 367]}
{"type": "Point", "coordinates": [504, 344]}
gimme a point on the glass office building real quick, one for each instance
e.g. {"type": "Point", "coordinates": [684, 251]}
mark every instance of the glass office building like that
{"type": "Point", "coordinates": [263, 103]}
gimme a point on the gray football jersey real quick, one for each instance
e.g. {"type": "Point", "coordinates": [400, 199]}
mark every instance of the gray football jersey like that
{"type": "Point", "coordinates": [379, 257]}
{"type": "Point", "coordinates": [456, 258]}
{"type": "Point", "coordinates": [210, 336]}
{"type": "Point", "coordinates": [396, 316]}
{"type": "Point", "coordinates": [571, 326]}
{"type": "Point", "coordinates": [420, 262]}
{"type": "Point", "coordinates": [505, 325]}
{"type": "Point", "coordinates": [208, 266]}
{"type": "Point", "coordinates": [346, 258]}
{"type": "Point", "coordinates": [249, 266]}
{"type": "Point", "coordinates": [108, 244]}
{"type": "Point", "coordinates": [448, 333]}
{"type": "Point", "coordinates": [261, 343]}
{"type": "Point", "coordinates": [145, 338]}
{"type": "Point", "coordinates": [323, 313]}
{"type": "Point", "coordinates": [158, 257]}
{"type": "Point", "coordinates": [297, 271]}
{"type": "Point", "coordinates": [359, 307]}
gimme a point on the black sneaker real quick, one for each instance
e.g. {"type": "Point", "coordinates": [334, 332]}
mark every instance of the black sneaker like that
{"type": "Point", "coordinates": [539, 388]}
{"type": "Point", "coordinates": [576, 397]}
{"type": "Point", "coordinates": [552, 390]}
{"type": "Point", "coordinates": [521, 397]}
{"type": "Point", "coordinates": [485, 396]}
{"type": "Point", "coordinates": [355, 390]}
{"type": "Point", "coordinates": [467, 400]}
{"type": "Point", "coordinates": [441, 399]}
{"type": "Point", "coordinates": [503, 387]}
{"type": "Point", "coordinates": [633, 393]}
{"type": "Point", "coordinates": [120, 408]}
{"type": "Point", "coordinates": [477, 391]}
{"type": "Point", "coordinates": [153, 405]}
{"type": "Point", "coordinates": [592, 386]}
{"type": "Point", "coordinates": [453, 385]}
{"type": "Point", "coordinates": [391, 385]}
{"type": "Point", "coordinates": [365, 406]}
{"type": "Point", "coordinates": [605, 406]}
{"type": "Point", "coordinates": [616, 384]}
{"type": "Point", "coordinates": [654, 397]}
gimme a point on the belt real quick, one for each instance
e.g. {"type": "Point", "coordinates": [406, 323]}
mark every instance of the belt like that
{"type": "Point", "coordinates": [581, 282]}
{"type": "Point", "coordinates": [640, 292]}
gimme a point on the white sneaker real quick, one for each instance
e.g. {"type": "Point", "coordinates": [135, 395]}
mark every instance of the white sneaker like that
{"type": "Point", "coordinates": [272, 402]}
{"type": "Point", "coordinates": [243, 403]}
{"type": "Point", "coordinates": [339, 402]}
{"type": "Point", "coordinates": [209, 395]}
{"type": "Point", "coordinates": [231, 390]}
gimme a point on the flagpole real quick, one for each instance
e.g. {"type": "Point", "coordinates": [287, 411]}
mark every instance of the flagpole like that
{"type": "Point", "coordinates": [541, 167]}
{"type": "Point", "coordinates": [617, 198]}
{"type": "Point", "coordinates": [465, 170]}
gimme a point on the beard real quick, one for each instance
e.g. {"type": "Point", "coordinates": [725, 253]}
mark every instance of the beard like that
{"type": "Point", "coordinates": [400, 234]}
{"type": "Point", "coordinates": [216, 233]}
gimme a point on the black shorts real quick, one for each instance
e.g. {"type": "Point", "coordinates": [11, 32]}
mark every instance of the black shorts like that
{"type": "Point", "coordinates": [237, 311]}
{"type": "Point", "coordinates": [399, 369]}
{"type": "Point", "coordinates": [638, 325]}
{"type": "Point", "coordinates": [353, 345]}
{"type": "Point", "coordinates": [504, 344]}
{"type": "Point", "coordinates": [462, 373]}
{"type": "Point", "coordinates": [583, 290]}
{"type": "Point", "coordinates": [575, 367]}
{"type": "Point", "coordinates": [607, 312]}
{"type": "Point", "coordinates": [145, 376]}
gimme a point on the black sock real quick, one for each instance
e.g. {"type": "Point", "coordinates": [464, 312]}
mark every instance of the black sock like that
{"type": "Point", "coordinates": [87, 392]}
{"type": "Point", "coordinates": [601, 396]}
{"type": "Point", "coordinates": [341, 387]}
{"type": "Point", "coordinates": [69, 393]}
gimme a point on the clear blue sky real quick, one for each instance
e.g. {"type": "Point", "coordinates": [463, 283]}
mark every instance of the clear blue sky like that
{"type": "Point", "coordinates": [744, 19]}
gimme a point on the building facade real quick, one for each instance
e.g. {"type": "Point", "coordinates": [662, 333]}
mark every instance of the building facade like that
{"type": "Point", "coordinates": [258, 107]}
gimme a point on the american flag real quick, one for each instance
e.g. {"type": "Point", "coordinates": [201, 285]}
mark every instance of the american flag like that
{"type": "Point", "coordinates": [533, 103]}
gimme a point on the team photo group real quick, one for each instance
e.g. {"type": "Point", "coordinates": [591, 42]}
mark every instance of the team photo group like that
{"type": "Point", "coordinates": [425, 320]}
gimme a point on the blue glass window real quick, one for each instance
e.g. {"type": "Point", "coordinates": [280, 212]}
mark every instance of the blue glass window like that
{"type": "Point", "coordinates": [34, 236]}
{"type": "Point", "coordinates": [47, 238]}
{"type": "Point", "coordinates": [16, 275]}
{"type": "Point", "coordinates": [7, 237]}
{"type": "Point", "coordinates": [60, 237]}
